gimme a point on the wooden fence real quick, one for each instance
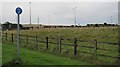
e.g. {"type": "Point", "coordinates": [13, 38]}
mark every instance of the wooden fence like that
{"type": "Point", "coordinates": [75, 44]}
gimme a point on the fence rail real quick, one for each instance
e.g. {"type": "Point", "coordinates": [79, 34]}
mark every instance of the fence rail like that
{"type": "Point", "coordinates": [75, 44]}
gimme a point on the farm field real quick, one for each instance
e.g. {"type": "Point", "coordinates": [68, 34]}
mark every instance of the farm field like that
{"type": "Point", "coordinates": [60, 33]}
{"type": "Point", "coordinates": [104, 34]}
{"type": "Point", "coordinates": [30, 57]}
{"type": "Point", "coordinates": [106, 37]}
{"type": "Point", "coordinates": [0, 53]}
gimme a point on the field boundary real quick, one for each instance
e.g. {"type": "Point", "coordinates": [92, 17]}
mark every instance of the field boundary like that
{"type": "Point", "coordinates": [60, 42]}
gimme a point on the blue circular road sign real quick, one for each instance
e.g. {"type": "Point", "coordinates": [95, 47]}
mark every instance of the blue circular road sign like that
{"type": "Point", "coordinates": [18, 10]}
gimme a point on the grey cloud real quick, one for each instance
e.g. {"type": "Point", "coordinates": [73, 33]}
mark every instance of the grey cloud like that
{"type": "Point", "coordinates": [62, 12]}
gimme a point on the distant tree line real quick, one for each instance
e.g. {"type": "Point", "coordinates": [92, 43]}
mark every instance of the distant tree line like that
{"type": "Point", "coordinates": [100, 25]}
{"type": "Point", "coordinates": [9, 26]}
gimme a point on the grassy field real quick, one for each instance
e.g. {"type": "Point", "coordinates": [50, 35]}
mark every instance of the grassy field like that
{"type": "Point", "coordinates": [106, 34]}
{"type": "Point", "coordinates": [30, 57]}
{"type": "Point", "coordinates": [0, 53]}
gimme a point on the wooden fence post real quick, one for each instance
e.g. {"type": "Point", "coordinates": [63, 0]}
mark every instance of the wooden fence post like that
{"type": "Point", "coordinates": [46, 43]}
{"type": "Point", "coordinates": [60, 44]}
{"type": "Point", "coordinates": [75, 46]}
{"type": "Point", "coordinates": [6, 36]}
{"type": "Point", "coordinates": [95, 49]}
{"type": "Point", "coordinates": [12, 37]}
{"type": "Point", "coordinates": [36, 42]}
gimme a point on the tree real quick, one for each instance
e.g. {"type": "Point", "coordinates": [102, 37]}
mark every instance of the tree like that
{"type": "Point", "coordinates": [8, 23]}
{"type": "Point", "coordinates": [96, 25]}
{"type": "Point", "coordinates": [88, 25]}
{"type": "Point", "coordinates": [72, 25]}
{"type": "Point", "coordinates": [105, 24]}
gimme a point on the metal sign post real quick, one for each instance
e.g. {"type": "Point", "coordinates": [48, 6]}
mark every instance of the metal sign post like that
{"type": "Point", "coordinates": [18, 11]}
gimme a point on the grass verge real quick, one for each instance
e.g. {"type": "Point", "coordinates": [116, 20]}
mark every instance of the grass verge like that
{"type": "Point", "coordinates": [30, 57]}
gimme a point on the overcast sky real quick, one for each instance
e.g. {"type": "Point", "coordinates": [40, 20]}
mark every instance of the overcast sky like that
{"type": "Point", "coordinates": [62, 12]}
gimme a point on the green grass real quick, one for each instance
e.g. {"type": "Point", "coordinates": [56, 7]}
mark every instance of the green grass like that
{"type": "Point", "coordinates": [30, 57]}
{"type": "Point", "coordinates": [107, 34]}
{"type": "Point", "coordinates": [0, 53]}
